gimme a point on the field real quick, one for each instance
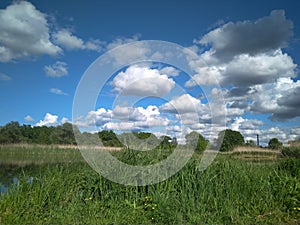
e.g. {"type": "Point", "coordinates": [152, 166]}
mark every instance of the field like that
{"type": "Point", "coordinates": [238, 188]}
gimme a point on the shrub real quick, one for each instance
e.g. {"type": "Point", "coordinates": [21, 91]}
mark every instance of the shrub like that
{"type": "Point", "coordinates": [292, 151]}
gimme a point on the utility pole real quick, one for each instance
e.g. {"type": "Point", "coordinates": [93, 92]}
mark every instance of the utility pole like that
{"type": "Point", "coordinates": [257, 139]}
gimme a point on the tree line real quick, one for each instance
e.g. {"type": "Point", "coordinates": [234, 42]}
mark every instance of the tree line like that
{"type": "Point", "coordinates": [14, 133]}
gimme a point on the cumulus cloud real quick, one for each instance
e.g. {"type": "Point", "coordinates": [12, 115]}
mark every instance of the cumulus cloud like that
{"type": "Point", "coordinates": [279, 99]}
{"type": "Point", "coordinates": [247, 37]}
{"type": "Point", "coordinates": [169, 71]}
{"type": "Point", "coordinates": [4, 77]}
{"type": "Point", "coordinates": [69, 41]}
{"type": "Point", "coordinates": [182, 104]}
{"type": "Point", "coordinates": [142, 81]}
{"type": "Point", "coordinates": [122, 40]}
{"type": "Point", "coordinates": [58, 69]}
{"type": "Point", "coordinates": [246, 70]}
{"type": "Point", "coordinates": [24, 33]}
{"type": "Point", "coordinates": [98, 117]}
{"type": "Point", "coordinates": [129, 53]}
{"type": "Point", "coordinates": [28, 118]}
{"type": "Point", "coordinates": [57, 91]}
{"type": "Point", "coordinates": [49, 120]}
{"type": "Point", "coordinates": [136, 119]}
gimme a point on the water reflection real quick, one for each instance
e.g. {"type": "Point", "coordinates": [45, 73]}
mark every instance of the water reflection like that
{"type": "Point", "coordinates": [4, 186]}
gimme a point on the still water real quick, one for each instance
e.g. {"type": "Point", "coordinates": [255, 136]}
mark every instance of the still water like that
{"type": "Point", "coordinates": [10, 176]}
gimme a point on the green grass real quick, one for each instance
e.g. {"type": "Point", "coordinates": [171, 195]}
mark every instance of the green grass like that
{"type": "Point", "coordinates": [21, 155]}
{"type": "Point", "coordinates": [230, 191]}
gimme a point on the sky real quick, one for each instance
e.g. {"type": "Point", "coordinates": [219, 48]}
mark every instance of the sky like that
{"type": "Point", "coordinates": [242, 58]}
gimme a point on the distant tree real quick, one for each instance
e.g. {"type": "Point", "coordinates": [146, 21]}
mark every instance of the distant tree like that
{"type": "Point", "coordinates": [11, 133]}
{"type": "Point", "coordinates": [109, 138]}
{"type": "Point", "coordinates": [63, 134]}
{"type": "Point", "coordinates": [231, 139]}
{"type": "Point", "coordinates": [274, 143]}
{"type": "Point", "coordinates": [165, 142]}
{"type": "Point", "coordinates": [250, 143]}
{"type": "Point", "coordinates": [174, 141]}
{"type": "Point", "coordinates": [197, 141]}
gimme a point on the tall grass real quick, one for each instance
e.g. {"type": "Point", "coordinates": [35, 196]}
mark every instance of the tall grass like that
{"type": "Point", "coordinates": [230, 191]}
{"type": "Point", "coordinates": [21, 155]}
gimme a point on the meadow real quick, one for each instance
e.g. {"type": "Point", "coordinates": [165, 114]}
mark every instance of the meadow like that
{"type": "Point", "coordinates": [234, 189]}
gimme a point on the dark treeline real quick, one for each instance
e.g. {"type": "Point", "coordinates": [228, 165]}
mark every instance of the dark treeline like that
{"type": "Point", "coordinates": [14, 133]}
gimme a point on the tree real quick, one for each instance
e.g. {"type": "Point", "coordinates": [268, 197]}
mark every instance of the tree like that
{"type": "Point", "coordinates": [10, 133]}
{"type": "Point", "coordinates": [250, 143]}
{"type": "Point", "coordinates": [196, 140]}
{"type": "Point", "coordinates": [274, 143]}
{"type": "Point", "coordinates": [109, 138]}
{"type": "Point", "coordinates": [231, 139]}
{"type": "Point", "coordinates": [165, 142]}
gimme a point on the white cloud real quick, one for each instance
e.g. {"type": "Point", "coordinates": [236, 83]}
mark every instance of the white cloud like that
{"type": "Point", "coordinates": [142, 81]}
{"type": "Point", "coordinates": [127, 113]}
{"type": "Point", "coordinates": [24, 33]}
{"type": "Point", "coordinates": [276, 99]}
{"type": "Point", "coordinates": [68, 40]}
{"type": "Point", "coordinates": [129, 53]}
{"type": "Point", "coordinates": [182, 104]}
{"type": "Point", "coordinates": [169, 71]}
{"type": "Point", "coordinates": [58, 69]}
{"type": "Point", "coordinates": [122, 40]}
{"type": "Point", "coordinates": [49, 120]}
{"type": "Point", "coordinates": [138, 119]}
{"type": "Point", "coordinates": [246, 70]}
{"type": "Point", "coordinates": [64, 120]}
{"type": "Point", "coordinates": [98, 117]}
{"type": "Point", "coordinates": [4, 77]}
{"type": "Point", "coordinates": [28, 118]}
{"type": "Point", "coordinates": [57, 91]}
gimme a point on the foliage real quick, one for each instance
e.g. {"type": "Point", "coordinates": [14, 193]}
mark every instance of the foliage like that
{"type": "Point", "coordinates": [109, 138]}
{"type": "Point", "coordinates": [13, 133]}
{"type": "Point", "coordinates": [197, 141]}
{"type": "Point", "coordinates": [75, 194]}
{"type": "Point", "coordinates": [292, 151]}
{"type": "Point", "coordinates": [250, 143]}
{"type": "Point", "coordinates": [274, 143]}
{"type": "Point", "coordinates": [231, 139]}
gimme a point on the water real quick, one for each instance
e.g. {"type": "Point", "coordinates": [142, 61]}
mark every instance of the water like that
{"type": "Point", "coordinates": [7, 183]}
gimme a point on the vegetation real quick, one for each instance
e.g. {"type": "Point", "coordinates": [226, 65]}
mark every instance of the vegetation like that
{"type": "Point", "coordinates": [292, 151]}
{"type": "Point", "coordinates": [274, 143]}
{"type": "Point", "coordinates": [231, 139]}
{"type": "Point", "coordinates": [230, 191]}
{"type": "Point", "coordinates": [197, 141]}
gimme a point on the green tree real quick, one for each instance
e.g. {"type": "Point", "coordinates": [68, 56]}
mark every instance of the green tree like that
{"type": "Point", "coordinates": [10, 133]}
{"type": "Point", "coordinates": [274, 143]}
{"type": "Point", "coordinates": [165, 142]}
{"type": "Point", "coordinates": [231, 139]}
{"type": "Point", "coordinates": [197, 141]}
{"type": "Point", "coordinates": [109, 138]}
{"type": "Point", "coordinates": [250, 143]}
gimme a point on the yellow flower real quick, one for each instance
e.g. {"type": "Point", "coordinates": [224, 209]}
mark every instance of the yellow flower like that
{"type": "Point", "coordinates": [88, 199]}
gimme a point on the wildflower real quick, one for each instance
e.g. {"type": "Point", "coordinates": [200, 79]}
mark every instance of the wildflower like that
{"type": "Point", "coordinates": [88, 199]}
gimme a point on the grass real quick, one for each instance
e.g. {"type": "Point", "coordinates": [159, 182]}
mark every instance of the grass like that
{"type": "Point", "coordinates": [230, 191]}
{"type": "Point", "coordinates": [22, 155]}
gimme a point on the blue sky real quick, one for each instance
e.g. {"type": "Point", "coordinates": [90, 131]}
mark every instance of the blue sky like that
{"type": "Point", "coordinates": [251, 47]}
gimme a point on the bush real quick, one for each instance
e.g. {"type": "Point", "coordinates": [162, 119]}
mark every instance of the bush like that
{"type": "Point", "coordinates": [231, 140]}
{"type": "Point", "coordinates": [292, 151]}
{"type": "Point", "coordinates": [274, 143]}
